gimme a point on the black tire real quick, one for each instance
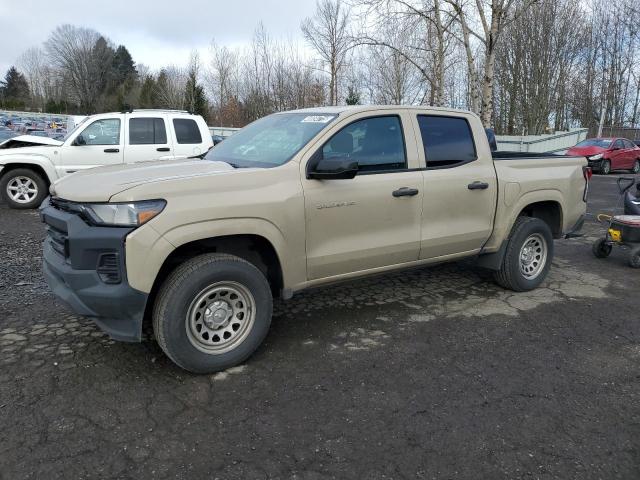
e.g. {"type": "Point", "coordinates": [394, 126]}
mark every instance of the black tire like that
{"type": "Point", "coordinates": [601, 249]}
{"type": "Point", "coordinates": [12, 176]}
{"type": "Point", "coordinates": [177, 296]}
{"type": "Point", "coordinates": [605, 169]}
{"type": "Point", "coordinates": [510, 274]}
{"type": "Point", "coordinates": [636, 167]}
{"type": "Point", "coordinates": [634, 259]}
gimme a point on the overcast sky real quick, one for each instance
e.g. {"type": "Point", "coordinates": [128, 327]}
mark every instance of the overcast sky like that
{"type": "Point", "coordinates": [156, 32]}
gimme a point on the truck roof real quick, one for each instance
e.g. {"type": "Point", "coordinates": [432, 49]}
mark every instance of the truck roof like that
{"type": "Point", "coordinates": [337, 110]}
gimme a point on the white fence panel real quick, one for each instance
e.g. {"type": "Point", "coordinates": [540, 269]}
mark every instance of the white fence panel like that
{"type": "Point", "coordinates": [553, 143]}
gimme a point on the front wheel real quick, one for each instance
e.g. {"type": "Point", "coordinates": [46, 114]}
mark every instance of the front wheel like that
{"type": "Point", "coordinates": [636, 167]}
{"type": "Point", "coordinates": [212, 313]}
{"type": "Point", "coordinates": [606, 168]}
{"type": "Point", "coordinates": [23, 188]}
{"type": "Point", "coordinates": [528, 255]}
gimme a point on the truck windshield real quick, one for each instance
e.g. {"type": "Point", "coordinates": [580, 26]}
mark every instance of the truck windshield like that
{"type": "Point", "coordinates": [270, 141]}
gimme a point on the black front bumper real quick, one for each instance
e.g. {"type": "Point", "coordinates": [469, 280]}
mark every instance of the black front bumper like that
{"type": "Point", "coordinates": [73, 250]}
{"type": "Point", "coordinates": [596, 165]}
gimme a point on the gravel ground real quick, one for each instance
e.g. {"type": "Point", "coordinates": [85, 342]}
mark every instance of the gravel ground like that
{"type": "Point", "coordinates": [433, 373]}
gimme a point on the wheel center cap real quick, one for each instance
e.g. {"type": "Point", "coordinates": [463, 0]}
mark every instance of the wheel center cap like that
{"type": "Point", "coordinates": [217, 315]}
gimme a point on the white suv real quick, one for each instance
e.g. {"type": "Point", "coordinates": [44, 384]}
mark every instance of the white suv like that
{"type": "Point", "coordinates": [28, 164]}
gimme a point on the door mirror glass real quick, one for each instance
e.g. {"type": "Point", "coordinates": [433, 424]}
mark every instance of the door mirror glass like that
{"type": "Point", "coordinates": [334, 169]}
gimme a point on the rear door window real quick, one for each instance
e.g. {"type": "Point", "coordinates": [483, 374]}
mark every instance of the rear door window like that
{"type": "Point", "coordinates": [147, 131]}
{"type": "Point", "coordinates": [448, 141]}
{"type": "Point", "coordinates": [187, 131]}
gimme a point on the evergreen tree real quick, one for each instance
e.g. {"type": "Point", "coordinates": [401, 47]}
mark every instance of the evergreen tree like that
{"type": "Point", "coordinates": [14, 89]}
{"type": "Point", "coordinates": [148, 93]}
{"type": "Point", "coordinates": [195, 99]}
{"type": "Point", "coordinates": [353, 96]}
{"type": "Point", "coordinates": [123, 67]}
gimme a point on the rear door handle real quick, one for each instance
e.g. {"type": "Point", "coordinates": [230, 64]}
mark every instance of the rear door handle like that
{"type": "Point", "coordinates": [405, 192]}
{"type": "Point", "coordinates": [478, 186]}
{"type": "Point", "coordinates": [111, 150]}
{"type": "Point", "coordinates": [163, 149]}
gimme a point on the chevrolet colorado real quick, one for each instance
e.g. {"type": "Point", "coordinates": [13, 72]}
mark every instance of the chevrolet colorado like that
{"type": "Point", "coordinates": [200, 248]}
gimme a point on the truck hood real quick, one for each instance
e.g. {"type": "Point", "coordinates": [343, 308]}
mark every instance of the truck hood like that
{"type": "Point", "coordinates": [585, 151]}
{"type": "Point", "coordinates": [23, 141]}
{"type": "Point", "coordinates": [101, 183]}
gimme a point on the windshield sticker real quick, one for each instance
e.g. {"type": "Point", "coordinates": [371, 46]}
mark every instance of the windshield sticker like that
{"type": "Point", "coordinates": [317, 119]}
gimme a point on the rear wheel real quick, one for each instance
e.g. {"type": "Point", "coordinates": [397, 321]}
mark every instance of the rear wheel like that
{"type": "Point", "coordinates": [212, 313]}
{"type": "Point", "coordinates": [606, 168]}
{"type": "Point", "coordinates": [23, 188]}
{"type": "Point", "coordinates": [636, 167]}
{"type": "Point", "coordinates": [528, 256]}
{"type": "Point", "coordinates": [601, 249]}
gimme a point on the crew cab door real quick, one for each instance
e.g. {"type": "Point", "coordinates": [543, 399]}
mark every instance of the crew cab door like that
{"type": "Point", "coordinates": [147, 138]}
{"type": "Point", "coordinates": [460, 186]}
{"type": "Point", "coordinates": [360, 223]}
{"type": "Point", "coordinates": [98, 143]}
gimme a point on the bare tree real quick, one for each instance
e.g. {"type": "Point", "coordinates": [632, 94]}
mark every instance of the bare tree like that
{"type": "Point", "coordinates": [493, 16]}
{"type": "Point", "coordinates": [73, 50]}
{"type": "Point", "coordinates": [170, 87]}
{"type": "Point", "coordinates": [33, 64]}
{"type": "Point", "coordinates": [327, 32]}
{"type": "Point", "coordinates": [427, 47]}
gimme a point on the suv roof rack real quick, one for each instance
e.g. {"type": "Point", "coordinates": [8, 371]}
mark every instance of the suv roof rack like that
{"type": "Point", "coordinates": [169, 110]}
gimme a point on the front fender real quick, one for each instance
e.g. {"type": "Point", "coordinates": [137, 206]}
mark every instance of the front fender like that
{"type": "Point", "coordinates": [36, 159]}
{"type": "Point", "coordinates": [147, 250]}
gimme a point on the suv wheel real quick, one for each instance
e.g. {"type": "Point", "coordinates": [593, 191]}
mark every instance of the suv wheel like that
{"type": "Point", "coordinates": [212, 312]}
{"type": "Point", "coordinates": [606, 168]}
{"type": "Point", "coordinates": [528, 256]}
{"type": "Point", "coordinates": [23, 188]}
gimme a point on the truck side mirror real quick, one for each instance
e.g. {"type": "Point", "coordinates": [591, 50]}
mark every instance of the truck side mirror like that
{"type": "Point", "coordinates": [79, 140]}
{"type": "Point", "coordinates": [333, 169]}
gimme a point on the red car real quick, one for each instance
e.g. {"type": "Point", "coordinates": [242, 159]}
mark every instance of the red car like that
{"type": "Point", "coordinates": [607, 154]}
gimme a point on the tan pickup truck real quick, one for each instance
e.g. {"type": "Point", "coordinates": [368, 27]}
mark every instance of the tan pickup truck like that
{"type": "Point", "coordinates": [296, 200]}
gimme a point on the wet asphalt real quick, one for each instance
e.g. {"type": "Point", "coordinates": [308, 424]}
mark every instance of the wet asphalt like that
{"type": "Point", "coordinates": [435, 373]}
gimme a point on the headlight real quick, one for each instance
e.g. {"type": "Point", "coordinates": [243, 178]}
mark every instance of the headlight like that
{"type": "Point", "coordinates": [595, 157]}
{"type": "Point", "coordinates": [131, 214]}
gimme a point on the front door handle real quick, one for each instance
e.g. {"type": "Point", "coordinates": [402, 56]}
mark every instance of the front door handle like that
{"type": "Point", "coordinates": [111, 150]}
{"type": "Point", "coordinates": [163, 149]}
{"type": "Point", "coordinates": [478, 186]}
{"type": "Point", "coordinates": [405, 192]}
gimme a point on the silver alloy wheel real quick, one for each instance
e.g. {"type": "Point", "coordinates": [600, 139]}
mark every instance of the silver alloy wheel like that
{"type": "Point", "coordinates": [220, 317]}
{"type": "Point", "coordinates": [636, 166]}
{"type": "Point", "coordinates": [606, 167]}
{"type": "Point", "coordinates": [22, 189]}
{"type": "Point", "coordinates": [533, 256]}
